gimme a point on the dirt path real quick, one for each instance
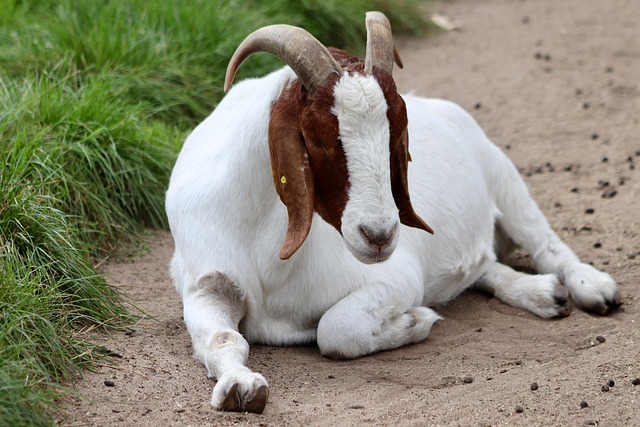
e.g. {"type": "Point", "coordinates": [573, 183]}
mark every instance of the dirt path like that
{"type": "Point", "coordinates": [556, 84]}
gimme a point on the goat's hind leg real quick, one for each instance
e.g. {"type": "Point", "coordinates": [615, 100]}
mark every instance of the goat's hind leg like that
{"type": "Point", "coordinates": [525, 224]}
{"type": "Point", "coordinates": [541, 294]}
{"type": "Point", "coordinates": [213, 308]}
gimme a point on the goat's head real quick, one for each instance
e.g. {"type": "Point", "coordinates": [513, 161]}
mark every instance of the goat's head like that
{"type": "Point", "coordinates": [338, 139]}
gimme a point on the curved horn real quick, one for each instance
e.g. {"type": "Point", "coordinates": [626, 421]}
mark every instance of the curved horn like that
{"type": "Point", "coordinates": [306, 56]}
{"type": "Point", "coordinates": [381, 52]}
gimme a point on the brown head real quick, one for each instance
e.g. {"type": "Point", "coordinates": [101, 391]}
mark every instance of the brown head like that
{"type": "Point", "coordinates": [338, 139]}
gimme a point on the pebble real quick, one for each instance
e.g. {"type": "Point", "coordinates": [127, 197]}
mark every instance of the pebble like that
{"type": "Point", "coordinates": [589, 211]}
{"type": "Point", "coordinates": [609, 194]}
{"type": "Point", "coordinates": [583, 404]}
{"type": "Point", "coordinates": [109, 383]}
{"type": "Point", "coordinates": [585, 105]}
{"type": "Point", "coordinates": [605, 159]}
{"type": "Point", "coordinates": [534, 386]}
{"type": "Point", "coordinates": [636, 381]}
{"type": "Point", "coordinates": [574, 190]}
{"type": "Point", "coordinates": [605, 388]}
{"type": "Point", "coordinates": [589, 422]}
{"type": "Point", "coordinates": [595, 136]}
{"type": "Point", "coordinates": [611, 383]}
{"type": "Point", "coordinates": [519, 409]}
{"type": "Point", "coordinates": [468, 380]}
{"type": "Point", "coordinates": [600, 339]}
{"type": "Point", "coordinates": [597, 245]}
{"type": "Point", "coordinates": [477, 106]}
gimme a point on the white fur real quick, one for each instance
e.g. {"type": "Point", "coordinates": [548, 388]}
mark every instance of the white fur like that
{"type": "Point", "coordinates": [361, 110]}
{"type": "Point", "coordinates": [228, 224]}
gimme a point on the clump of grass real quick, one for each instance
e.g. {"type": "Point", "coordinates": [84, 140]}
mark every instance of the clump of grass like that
{"type": "Point", "coordinates": [49, 290]}
{"type": "Point", "coordinates": [104, 160]}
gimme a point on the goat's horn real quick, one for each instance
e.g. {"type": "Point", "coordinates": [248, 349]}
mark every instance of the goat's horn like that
{"type": "Point", "coordinates": [306, 56]}
{"type": "Point", "coordinates": [381, 52]}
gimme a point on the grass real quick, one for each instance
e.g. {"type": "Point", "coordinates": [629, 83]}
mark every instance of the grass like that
{"type": "Point", "coordinates": [96, 97]}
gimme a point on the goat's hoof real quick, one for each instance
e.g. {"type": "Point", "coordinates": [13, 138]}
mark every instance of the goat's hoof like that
{"type": "Point", "coordinates": [563, 301]}
{"type": "Point", "coordinates": [607, 307]}
{"type": "Point", "coordinates": [235, 402]}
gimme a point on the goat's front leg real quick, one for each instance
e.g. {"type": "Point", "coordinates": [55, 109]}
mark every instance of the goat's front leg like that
{"type": "Point", "coordinates": [371, 320]}
{"type": "Point", "coordinates": [213, 308]}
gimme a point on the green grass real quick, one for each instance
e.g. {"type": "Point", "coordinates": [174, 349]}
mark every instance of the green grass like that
{"type": "Point", "coordinates": [96, 97]}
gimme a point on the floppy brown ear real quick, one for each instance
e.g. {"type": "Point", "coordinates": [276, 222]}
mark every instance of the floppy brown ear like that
{"type": "Point", "coordinates": [400, 186]}
{"type": "Point", "coordinates": [292, 175]}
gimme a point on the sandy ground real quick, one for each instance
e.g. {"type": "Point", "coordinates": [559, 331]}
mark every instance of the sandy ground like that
{"type": "Point", "coordinates": [556, 84]}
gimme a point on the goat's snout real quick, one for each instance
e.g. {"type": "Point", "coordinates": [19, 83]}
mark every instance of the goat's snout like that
{"type": "Point", "coordinates": [373, 240]}
{"type": "Point", "coordinates": [378, 236]}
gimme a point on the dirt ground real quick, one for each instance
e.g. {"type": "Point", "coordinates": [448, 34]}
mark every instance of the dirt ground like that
{"type": "Point", "coordinates": [556, 84]}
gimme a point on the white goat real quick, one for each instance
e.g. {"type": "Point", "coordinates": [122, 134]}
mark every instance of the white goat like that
{"type": "Point", "coordinates": [330, 131]}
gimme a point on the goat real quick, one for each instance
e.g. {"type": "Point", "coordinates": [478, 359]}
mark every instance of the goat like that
{"type": "Point", "coordinates": [358, 268]}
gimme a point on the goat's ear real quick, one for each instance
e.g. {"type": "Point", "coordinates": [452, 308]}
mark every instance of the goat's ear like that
{"type": "Point", "coordinates": [400, 185]}
{"type": "Point", "coordinates": [291, 172]}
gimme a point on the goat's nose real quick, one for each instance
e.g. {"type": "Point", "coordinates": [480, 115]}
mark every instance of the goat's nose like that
{"type": "Point", "coordinates": [377, 236]}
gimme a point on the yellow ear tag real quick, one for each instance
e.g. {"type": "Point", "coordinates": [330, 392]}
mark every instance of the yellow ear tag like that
{"type": "Point", "coordinates": [283, 179]}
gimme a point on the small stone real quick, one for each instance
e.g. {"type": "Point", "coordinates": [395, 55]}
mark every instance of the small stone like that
{"type": "Point", "coordinates": [589, 423]}
{"type": "Point", "coordinates": [507, 147]}
{"type": "Point", "coordinates": [477, 106]}
{"type": "Point", "coordinates": [605, 159]}
{"type": "Point", "coordinates": [600, 339]}
{"type": "Point", "coordinates": [467, 380]}
{"type": "Point", "coordinates": [534, 386]}
{"type": "Point", "coordinates": [586, 105]}
{"type": "Point", "coordinates": [519, 409]}
{"type": "Point", "coordinates": [636, 381]}
{"type": "Point", "coordinates": [595, 136]}
{"type": "Point", "coordinates": [109, 383]}
{"type": "Point", "coordinates": [557, 205]}
{"type": "Point", "coordinates": [603, 183]}
{"type": "Point", "coordinates": [611, 383]}
{"type": "Point", "coordinates": [331, 377]}
{"type": "Point", "coordinates": [609, 194]}
{"type": "Point", "coordinates": [356, 407]}
{"type": "Point", "coordinates": [589, 211]}
{"type": "Point", "coordinates": [478, 330]}
{"type": "Point", "coordinates": [597, 245]}
{"type": "Point", "coordinates": [574, 190]}
{"type": "Point", "coordinates": [578, 91]}
{"type": "Point", "coordinates": [605, 388]}
{"type": "Point", "coordinates": [609, 69]}
{"type": "Point", "coordinates": [583, 404]}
